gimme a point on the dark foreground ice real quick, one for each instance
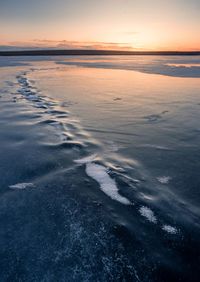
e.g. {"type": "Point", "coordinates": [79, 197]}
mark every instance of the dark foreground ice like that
{"type": "Point", "coordinates": [99, 170]}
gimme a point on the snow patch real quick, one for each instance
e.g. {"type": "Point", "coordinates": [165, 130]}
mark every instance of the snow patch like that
{"type": "Point", "coordinates": [148, 214]}
{"type": "Point", "coordinates": [107, 184]}
{"type": "Point", "coordinates": [21, 186]}
{"type": "Point", "coordinates": [100, 174]}
{"type": "Point", "coordinates": [170, 229]}
{"type": "Point", "coordinates": [164, 179]}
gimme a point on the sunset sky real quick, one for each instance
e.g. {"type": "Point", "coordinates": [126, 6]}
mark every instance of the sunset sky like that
{"type": "Point", "coordinates": [105, 24]}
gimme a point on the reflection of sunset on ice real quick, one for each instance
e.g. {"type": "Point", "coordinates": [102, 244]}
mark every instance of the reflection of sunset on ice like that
{"type": "Point", "coordinates": [99, 141]}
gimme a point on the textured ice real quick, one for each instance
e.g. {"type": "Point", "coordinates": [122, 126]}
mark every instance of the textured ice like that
{"type": "Point", "coordinates": [86, 159]}
{"type": "Point", "coordinates": [157, 147]}
{"type": "Point", "coordinates": [112, 146]}
{"type": "Point", "coordinates": [21, 186]}
{"type": "Point", "coordinates": [148, 214]}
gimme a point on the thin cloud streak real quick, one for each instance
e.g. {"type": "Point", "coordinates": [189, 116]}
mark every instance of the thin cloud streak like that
{"type": "Point", "coordinates": [65, 44]}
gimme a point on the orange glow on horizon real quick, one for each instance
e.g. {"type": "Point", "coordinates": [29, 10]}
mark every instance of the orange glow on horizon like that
{"type": "Point", "coordinates": [144, 44]}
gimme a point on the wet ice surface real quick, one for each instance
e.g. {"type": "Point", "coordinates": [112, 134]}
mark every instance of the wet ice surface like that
{"type": "Point", "coordinates": [99, 171]}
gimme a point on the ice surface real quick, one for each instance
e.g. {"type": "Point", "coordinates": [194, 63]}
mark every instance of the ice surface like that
{"type": "Point", "coordinates": [99, 173]}
{"type": "Point", "coordinates": [86, 159]}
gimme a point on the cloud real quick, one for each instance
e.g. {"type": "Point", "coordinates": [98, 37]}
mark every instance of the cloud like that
{"type": "Point", "coordinates": [65, 44]}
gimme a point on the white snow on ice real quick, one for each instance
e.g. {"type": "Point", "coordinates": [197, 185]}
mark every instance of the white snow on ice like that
{"type": "Point", "coordinates": [170, 229]}
{"type": "Point", "coordinates": [100, 175]}
{"type": "Point", "coordinates": [164, 179]}
{"type": "Point", "coordinates": [21, 186]}
{"type": "Point", "coordinates": [107, 184]}
{"type": "Point", "coordinates": [148, 214]}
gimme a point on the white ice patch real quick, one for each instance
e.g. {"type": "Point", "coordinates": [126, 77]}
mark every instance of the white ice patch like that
{"type": "Point", "coordinates": [107, 184]}
{"type": "Point", "coordinates": [164, 179]}
{"type": "Point", "coordinates": [21, 186]}
{"type": "Point", "coordinates": [100, 174]}
{"type": "Point", "coordinates": [148, 214]}
{"type": "Point", "coordinates": [170, 229]}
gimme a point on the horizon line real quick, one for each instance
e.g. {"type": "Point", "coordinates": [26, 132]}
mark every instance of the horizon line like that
{"type": "Point", "coordinates": [74, 52]}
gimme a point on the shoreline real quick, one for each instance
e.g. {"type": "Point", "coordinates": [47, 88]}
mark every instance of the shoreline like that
{"type": "Point", "coordinates": [97, 53]}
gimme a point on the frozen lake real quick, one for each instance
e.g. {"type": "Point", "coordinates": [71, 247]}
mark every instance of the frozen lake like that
{"type": "Point", "coordinates": [99, 168]}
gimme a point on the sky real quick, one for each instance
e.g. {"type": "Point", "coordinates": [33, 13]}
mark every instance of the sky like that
{"type": "Point", "coordinates": [106, 24]}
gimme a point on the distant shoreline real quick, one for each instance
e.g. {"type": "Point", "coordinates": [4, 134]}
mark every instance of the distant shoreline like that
{"type": "Point", "coordinates": [96, 53]}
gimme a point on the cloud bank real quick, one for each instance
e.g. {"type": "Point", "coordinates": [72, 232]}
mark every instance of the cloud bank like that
{"type": "Point", "coordinates": [65, 44]}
